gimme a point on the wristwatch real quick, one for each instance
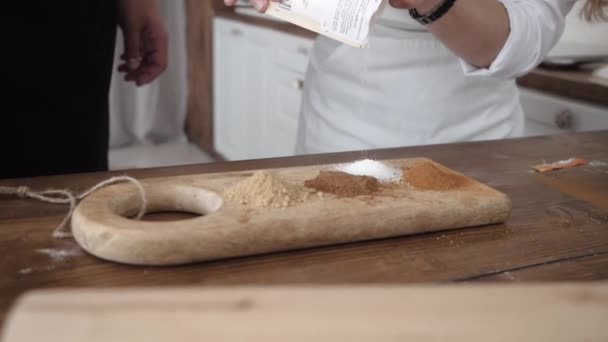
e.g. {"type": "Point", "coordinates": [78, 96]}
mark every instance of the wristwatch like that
{"type": "Point", "coordinates": [433, 15]}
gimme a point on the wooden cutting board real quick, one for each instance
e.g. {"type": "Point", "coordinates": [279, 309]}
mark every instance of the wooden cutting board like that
{"type": "Point", "coordinates": [462, 313]}
{"type": "Point", "coordinates": [101, 227]}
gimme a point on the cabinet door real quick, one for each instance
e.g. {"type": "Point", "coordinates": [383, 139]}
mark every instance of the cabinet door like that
{"type": "Point", "coordinates": [258, 79]}
{"type": "Point", "coordinates": [281, 124]}
{"type": "Point", "coordinates": [241, 70]}
{"type": "Point", "coordinates": [291, 56]}
{"type": "Point", "coordinates": [547, 114]}
{"type": "Point", "coordinates": [228, 86]}
{"type": "Point", "coordinates": [254, 98]}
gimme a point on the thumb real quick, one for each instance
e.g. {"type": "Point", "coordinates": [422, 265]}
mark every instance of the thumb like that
{"type": "Point", "coordinates": [132, 45]}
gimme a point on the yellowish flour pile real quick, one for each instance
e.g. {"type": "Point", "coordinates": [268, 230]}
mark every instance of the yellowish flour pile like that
{"type": "Point", "coordinates": [266, 190]}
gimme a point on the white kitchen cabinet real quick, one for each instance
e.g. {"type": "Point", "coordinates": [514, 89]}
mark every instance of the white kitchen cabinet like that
{"type": "Point", "coordinates": [547, 114]}
{"type": "Point", "coordinates": [258, 80]}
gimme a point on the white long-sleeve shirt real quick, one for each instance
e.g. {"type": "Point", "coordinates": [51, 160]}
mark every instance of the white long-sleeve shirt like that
{"type": "Point", "coordinates": [407, 88]}
{"type": "Point", "coordinates": [535, 28]}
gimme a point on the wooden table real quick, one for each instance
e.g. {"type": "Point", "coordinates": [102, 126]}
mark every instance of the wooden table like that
{"type": "Point", "coordinates": [570, 84]}
{"type": "Point", "coordinates": [558, 230]}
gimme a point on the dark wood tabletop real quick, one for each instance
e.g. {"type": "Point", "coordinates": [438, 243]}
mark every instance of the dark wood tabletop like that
{"type": "Point", "coordinates": [558, 230]}
{"type": "Point", "coordinates": [570, 84]}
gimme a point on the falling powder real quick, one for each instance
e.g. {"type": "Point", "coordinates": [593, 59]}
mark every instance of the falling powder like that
{"type": "Point", "coordinates": [371, 168]}
{"type": "Point", "coordinates": [263, 189]}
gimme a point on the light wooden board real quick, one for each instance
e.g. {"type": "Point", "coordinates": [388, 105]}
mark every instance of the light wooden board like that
{"type": "Point", "coordinates": [473, 313]}
{"type": "Point", "coordinates": [232, 229]}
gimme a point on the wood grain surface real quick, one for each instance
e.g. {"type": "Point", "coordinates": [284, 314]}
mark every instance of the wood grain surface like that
{"type": "Point", "coordinates": [456, 313]}
{"type": "Point", "coordinates": [571, 84]}
{"type": "Point", "coordinates": [229, 229]}
{"type": "Point", "coordinates": [558, 229]}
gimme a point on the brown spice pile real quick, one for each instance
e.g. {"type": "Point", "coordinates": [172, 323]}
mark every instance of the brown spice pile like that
{"type": "Point", "coordinates": [429, 176]}
{"type": "Point", "coordinates": [266, 190]}
{"type": "Point", "coordinates": [343, 184]}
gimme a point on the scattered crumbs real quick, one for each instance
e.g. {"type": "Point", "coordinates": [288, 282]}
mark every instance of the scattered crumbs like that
{"type": "Point", "coordinates": [598, 163]}
{"type": "Point", "coordinates": [25, 271]}
{"type": "Point", "coordinates": [449, 240]}
{"type": "Point", "coordinates": [510, 276]}
{"type": "Point", "coordinates": [59, 254]}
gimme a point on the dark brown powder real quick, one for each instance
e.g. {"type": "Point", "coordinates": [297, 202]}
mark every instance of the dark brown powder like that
{"type": "Point", "coordinates": [429, 176]}
{"type": "Point", "coordinates": [343, 185]}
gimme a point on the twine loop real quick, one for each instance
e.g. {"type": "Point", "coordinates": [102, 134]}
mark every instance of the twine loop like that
{"type": "Point", "coordinates": [22, 191]}
{"type": "Point", "coordinates": [67, 197]}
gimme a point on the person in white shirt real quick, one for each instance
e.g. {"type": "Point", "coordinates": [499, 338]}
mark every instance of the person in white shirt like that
{"type": "Point", "coordinates": [449, 79]}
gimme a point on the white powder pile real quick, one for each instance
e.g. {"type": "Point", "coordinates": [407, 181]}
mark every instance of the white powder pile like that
{"type": "Point", "coordinates": [59, 254]}
{"type": "Point", "coordinates": [598, 163]}
{"type": "Point", "coordinates": [382, 172]}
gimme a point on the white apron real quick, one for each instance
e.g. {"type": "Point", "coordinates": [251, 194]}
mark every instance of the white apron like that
{"type": "Point", "coordinates": [405, 89]}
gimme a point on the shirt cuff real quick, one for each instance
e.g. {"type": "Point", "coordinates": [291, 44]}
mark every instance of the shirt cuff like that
{"type": "Point", "coordinates": [515, 58]}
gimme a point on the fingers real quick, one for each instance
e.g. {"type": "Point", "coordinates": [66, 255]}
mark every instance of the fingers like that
{"type": "Point", "coordinates": [132, 46]}
{"type": "Point", "coordinates": [259, 5]}
{"type": "Point", "coordinates": [153, 57]}
{"type": "Point", "coordinates": [152, 67]}
{"type": "Point", "coordinates": [156, 54]}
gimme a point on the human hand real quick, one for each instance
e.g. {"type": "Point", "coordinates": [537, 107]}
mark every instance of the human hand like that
{"type": "Point", "coordinates": [260, 5]}
{"type": "Point", "coordinates": [145, 54]}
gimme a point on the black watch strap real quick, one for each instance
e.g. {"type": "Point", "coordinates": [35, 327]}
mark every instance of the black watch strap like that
{"type": "Point", "coordinates": [435, 14]}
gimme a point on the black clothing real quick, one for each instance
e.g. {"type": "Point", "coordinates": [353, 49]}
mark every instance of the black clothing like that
{"type": "Point", "coordinates": [57, 60]}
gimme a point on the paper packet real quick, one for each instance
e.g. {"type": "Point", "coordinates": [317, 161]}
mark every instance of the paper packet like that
{"type": "Point", "coordinates": [347, 21]}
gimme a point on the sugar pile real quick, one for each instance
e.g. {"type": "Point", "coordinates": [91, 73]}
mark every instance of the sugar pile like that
{"type": "Point", "coordinates": [371, 168]}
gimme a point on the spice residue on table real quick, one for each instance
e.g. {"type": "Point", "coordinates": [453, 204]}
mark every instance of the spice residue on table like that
{"type": "Point", "coordinates": [429, 176]}
{"type": "Point", "coordinates": [264, 189]}
{"type": "Point", "coordinates": [343, 184]}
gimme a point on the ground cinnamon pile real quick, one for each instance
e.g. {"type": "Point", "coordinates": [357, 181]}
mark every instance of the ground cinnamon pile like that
{"type": "Point", "coordinates": [343, 184]}
{"type": "Point", "coordinates": [263, 189]}
{"type": "Point", "coordinates": [429, 176]}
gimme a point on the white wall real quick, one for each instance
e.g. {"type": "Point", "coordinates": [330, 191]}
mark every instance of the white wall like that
{"type": "Point", "coordinates": [582, 37]}
{"type": "Point", "coordinates": [578, 29]}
